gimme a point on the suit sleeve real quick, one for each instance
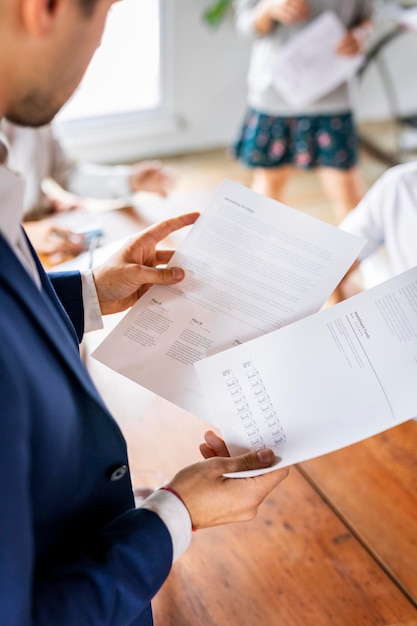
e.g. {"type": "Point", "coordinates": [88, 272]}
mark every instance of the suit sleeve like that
{"type": "Point", "coordinates": [114, 583]}
{"type": "Point", "coordinates": [113, 573]}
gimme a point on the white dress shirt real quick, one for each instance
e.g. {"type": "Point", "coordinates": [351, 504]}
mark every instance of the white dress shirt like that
{"type": "Point", "coordinates": [387, 218]}
{"type": "Point", "coordinates": [37, 154]}
{"type": "Point", "coordinates": [262, 95]}
{"type": "Point", "coordinates": [165, 504]}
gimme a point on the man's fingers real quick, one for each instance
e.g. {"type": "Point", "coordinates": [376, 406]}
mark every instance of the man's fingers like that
{"type": "Point", "coordinates": [248, 461]}
{"type": "Point", "coordinates": [259, 460]}
{"type": "Point", "coordinates": [162, 256]}
{"type": "Point", "coordinates": [216, 443]}
{"type": "Point", "coordinates": [157, 275]}
{"type": "Point", "coordinates": [159, 231]}
{"type": "Point", "coordinates": [206, 451]}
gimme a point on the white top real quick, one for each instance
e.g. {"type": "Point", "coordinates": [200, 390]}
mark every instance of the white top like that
{"type": "Point", "coordinates": [261, 94]}
{"type": "Point", "coordinates": [169, 508]}
{"type": "Point", "coordinates": [387, 216]}
{"type": "Point", "coordinates": [37, 154]}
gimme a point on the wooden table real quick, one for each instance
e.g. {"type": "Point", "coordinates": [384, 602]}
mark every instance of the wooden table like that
{"type": "Point", "coordinates": [115, 225]}
{"type": "Point", "coordinates": [126, 221]}
{"type": "Point", "coordinates": [334, 545]}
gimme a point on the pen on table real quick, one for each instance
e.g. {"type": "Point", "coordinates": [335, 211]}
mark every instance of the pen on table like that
{"type": "Point", "coordinates": [93, 244]}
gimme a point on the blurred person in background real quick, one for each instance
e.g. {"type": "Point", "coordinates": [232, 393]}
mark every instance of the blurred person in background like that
{"type": "Point", "coordinates": [37, 155]}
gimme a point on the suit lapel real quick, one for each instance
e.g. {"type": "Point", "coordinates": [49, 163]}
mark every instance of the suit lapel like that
{"type": "Point", "coordinates": [46, 311]}
{"type": "Point", "coordinates": [52, 299]}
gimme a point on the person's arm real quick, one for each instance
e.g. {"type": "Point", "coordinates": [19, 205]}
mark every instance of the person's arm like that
{"type": "Point", "coordinates": [151, 176]}
{"type": "Point", "coordinates": [359, 32]}
{"type": "Point", "coordinates": [114, 573]}
{"type": "Point", "coordinates": [270, 12]}
{"type": "Point", "coordinates": [345, 289]}
{"type": "Point", "coordinates": [128, 562]}
{"type": "Point", "coordinates": [368, 221]}
{"type": "Point", "coordinates": [61, 165]}
{"type": "Point", "coordinates": [94, 180]}
{"type": "Point", "coordinates": [86, 179]}
{"type": "Point", "coordinates": [356, 39]}
{"type": "Point", "coordinates": [258, 18]}
{"type": "Point", "coordinates": [118, 573]}
{"type": "Point", "coordinates": [113, 580]}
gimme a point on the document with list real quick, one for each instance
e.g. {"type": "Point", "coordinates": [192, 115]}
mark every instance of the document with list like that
{"type": "Point", "coordinates": [324, 382]}
{"type": "Point", "coordinates": [252, 265]}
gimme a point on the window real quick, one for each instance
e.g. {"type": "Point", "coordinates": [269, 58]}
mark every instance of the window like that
{"type": "Point", "coordinates": [118, 80]}
{"type": "Point", "coordinates": [163, 82]}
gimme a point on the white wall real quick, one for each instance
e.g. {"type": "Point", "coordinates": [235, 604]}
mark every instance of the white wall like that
{"type": "Point", "coordinates": [399, 58]}
{"type": "Point", "coordinates": [206, 92]}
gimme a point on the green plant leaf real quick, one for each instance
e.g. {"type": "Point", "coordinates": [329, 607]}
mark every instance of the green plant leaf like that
{"type": "Point", "coordinates": [216, 12]}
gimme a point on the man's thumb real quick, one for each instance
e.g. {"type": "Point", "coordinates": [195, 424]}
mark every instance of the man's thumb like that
{"type": "Point", "coordinates": [159, 275]}
{"type": "Point", "coordinates": [255, 460]}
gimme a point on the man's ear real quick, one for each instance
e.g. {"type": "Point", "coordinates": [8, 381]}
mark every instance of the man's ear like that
{"type": "Point", "coordinates": [39, 15]}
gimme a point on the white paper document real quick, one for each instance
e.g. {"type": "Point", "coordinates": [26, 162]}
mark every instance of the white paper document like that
{"type": "Point", "coordinates": [325, 382]}
{"type": "Point", "coordinates": [308, 67]}
{"type": "Point", "coordinates": [402, 16]}
{"type": "Point", "coordinates": [252, 265]}
{"type": "Point", "coordinates": [408, 18]}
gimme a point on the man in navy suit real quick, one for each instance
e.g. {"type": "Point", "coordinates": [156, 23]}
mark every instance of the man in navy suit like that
{"type": "Point", "coordinates": [74, 550]}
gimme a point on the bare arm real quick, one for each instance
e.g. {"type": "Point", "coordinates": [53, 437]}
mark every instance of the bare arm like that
{"type": "Point", "coordinates": [345, 289]}
{"type": "Point", "coordinates": [288, 12]}
{"type": "Point", "coordinates": [356, 39]}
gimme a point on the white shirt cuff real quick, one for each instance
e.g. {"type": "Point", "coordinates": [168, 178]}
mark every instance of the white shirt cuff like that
{"type": "Point", "coordinates": [92, 312]}
{"type": "Point", "coordinates": [175, 517]}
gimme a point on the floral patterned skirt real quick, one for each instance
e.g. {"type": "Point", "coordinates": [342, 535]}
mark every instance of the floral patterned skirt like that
{"type": "Point", "coordinates": [304, 141]}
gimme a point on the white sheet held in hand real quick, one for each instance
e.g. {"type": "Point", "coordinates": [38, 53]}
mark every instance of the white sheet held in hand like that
{"type": "Point", "coordinates": [308, 67]}
{"type": "Point", "coordinates": [324, 382]}
{"type": "Point", "coordinates": [252, 266]}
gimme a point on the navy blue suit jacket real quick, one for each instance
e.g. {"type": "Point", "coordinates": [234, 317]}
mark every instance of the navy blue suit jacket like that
{"type": "Point", "coordinates": [73, 550]}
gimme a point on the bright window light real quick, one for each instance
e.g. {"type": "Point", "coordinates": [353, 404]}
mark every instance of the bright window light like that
{"type": "Point", "coordinates": [124, 74]}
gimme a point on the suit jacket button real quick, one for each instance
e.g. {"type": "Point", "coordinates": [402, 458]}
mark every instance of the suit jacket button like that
{"type": "Point", "coordinates": [118, 472]}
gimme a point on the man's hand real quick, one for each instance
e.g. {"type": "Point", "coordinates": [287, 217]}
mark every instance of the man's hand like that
{"type": "Point", "coordinates": [152, 176]}
{"type": "Point", "coordinates": [212, 499]}
{"type": "Point", "coordinates": [126, 275]}
{"type": "Point", "coordinates": [213, 446]}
